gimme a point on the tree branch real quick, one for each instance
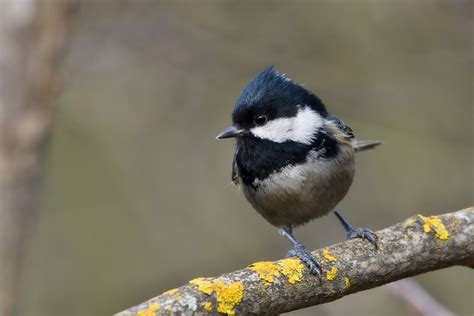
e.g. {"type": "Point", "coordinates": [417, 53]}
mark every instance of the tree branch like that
{"type": "Point", "coordinates": [417, 245]}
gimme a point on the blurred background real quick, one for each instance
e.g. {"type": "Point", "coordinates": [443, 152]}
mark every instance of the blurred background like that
{"type": "Point", "coordinates": [137, 197]}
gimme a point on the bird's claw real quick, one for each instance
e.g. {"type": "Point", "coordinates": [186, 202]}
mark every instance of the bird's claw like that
{"type": "Point", "coordinates": [308, 259]}
{"type": "Point", "coordinates": [363, 233]}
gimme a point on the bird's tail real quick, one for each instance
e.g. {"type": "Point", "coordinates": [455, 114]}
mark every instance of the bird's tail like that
{"type": "Point", "coordinates": [361, 145]}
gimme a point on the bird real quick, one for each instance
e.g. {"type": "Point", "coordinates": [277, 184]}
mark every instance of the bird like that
{"type": "Point", "coordinates": [294, 160]}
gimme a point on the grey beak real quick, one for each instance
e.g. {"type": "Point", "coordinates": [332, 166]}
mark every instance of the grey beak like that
{"type": "Point", "coordinates": [229, 132]}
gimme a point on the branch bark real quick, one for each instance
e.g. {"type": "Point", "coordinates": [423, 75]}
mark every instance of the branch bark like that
{"type": "Point", "coordinates": [33, 34]}
{"type": "Point", "coordinates": [414, 246]}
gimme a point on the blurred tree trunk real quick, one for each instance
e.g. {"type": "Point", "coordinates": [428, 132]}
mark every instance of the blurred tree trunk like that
{"type": "Point", "coordinates": [33, 34]}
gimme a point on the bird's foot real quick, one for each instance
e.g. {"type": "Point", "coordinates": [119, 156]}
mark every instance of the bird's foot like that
{"type": "Point", "coordinates": [352, 232]}
{"type": "Point", "coordinates": [363, 233]}
{"type": "Point", "coordinates": [308, 259]}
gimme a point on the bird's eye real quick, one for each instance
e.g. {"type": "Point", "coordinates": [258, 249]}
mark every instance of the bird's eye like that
{"type": "Point", "coordinates": [260, 120]}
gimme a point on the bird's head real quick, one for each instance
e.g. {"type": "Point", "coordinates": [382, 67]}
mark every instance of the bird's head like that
{"type": "Point", "coordinates": [275, 108]}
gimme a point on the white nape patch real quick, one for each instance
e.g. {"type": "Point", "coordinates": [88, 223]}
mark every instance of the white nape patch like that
{"type": "Point", "coordinates": [300, 128]}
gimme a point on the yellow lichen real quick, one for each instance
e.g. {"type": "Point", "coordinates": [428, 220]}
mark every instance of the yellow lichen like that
{"type": "Point", "coordinates": [405, 236]}
{"type": "Point", "coordinates": [434, 223]}
{"type": "Point", "coordinates": [329, 257]}
{"type": "Point", "coordinates": [291, 268]}
{"type": "Point", "coordinates": [170, 292]}
{"type": "Point", "coordinates": [332, 274]}
{"type": "Point", "coordinates": [266, 270]}
{"type": "Point", "coordinates": [347, 282]}
{"type": "Point", "coordinates": [411, 221]}
{"type": "Point", "coordinates": [208, 306]}
{"type": "Point", "coordinates": [227, 295]}
{"type": "Point", "coordinates": [205, 285]}
{"type": "Point", "coordinates": [150, 311]}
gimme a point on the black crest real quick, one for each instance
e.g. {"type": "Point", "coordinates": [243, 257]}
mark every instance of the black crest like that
{"type": "Point", "coordinates": [275, 95]}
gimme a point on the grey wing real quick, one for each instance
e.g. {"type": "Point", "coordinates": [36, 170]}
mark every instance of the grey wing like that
{"type": "Point", "coordinates": [342, 126]}
{"type": "Point", "coordinates": [358, 145]}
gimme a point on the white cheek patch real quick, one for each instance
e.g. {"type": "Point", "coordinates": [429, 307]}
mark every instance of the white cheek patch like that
{"type": "Point", "coordinates": [300, 128]}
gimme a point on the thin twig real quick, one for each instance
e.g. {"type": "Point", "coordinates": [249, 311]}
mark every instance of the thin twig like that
{"type": "Point", "coordinates": [420, 301]}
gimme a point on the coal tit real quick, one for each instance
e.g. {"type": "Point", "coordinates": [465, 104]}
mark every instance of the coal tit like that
{"type": "Point", "coordinates": [294, 160]}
